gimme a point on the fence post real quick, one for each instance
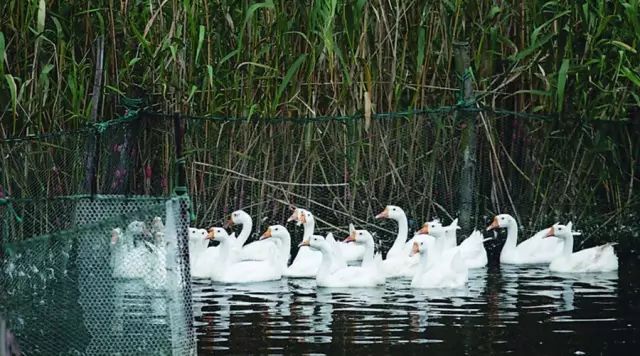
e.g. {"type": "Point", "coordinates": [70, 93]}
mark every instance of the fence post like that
{"type": "Point", "coordinates": [93, 148]}
{"type": "Point", "coordinates": [184, 219]}
{"type": "Point", "coordinates": [468, 139]}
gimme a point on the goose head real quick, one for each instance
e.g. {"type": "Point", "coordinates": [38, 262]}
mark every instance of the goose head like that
{"type": "Point", "coordinates": [301, 216]}
{"type": "Point", "coordinates": [276, 231]}
{"type": "Point", "coordinates": [317, 243]}
{"type": "Point", "coordinates": [116, 235]}
{"type": "Point", "coordinates": [561, 231]}
{"type": "Point", "coordinates": [433, 227]}
{"type": "Point", "coordinates": [502, 221]}
{"type": "Point", "coordinates": [218, 234]}
{"type": "Point", "coordinates": [420, 244]}
{"type": "Point", "coordinates": [156, 224]}
{"type": "Point", "coordinates": [238, 217]}
{"type": "Point", "coordinates": [138, 229]}
{"type": "Point", "coordinates": [391, 212]}
{"type": "Point", "coordinates": [197, 234]}
{"type": "Point", "coordinates": [362, 237]}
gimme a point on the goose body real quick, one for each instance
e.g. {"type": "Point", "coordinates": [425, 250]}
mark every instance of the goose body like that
{"type": "Point", "coordinates": [438, 270]}
{"type": "Point", "coordinates": [203, 257]}
{"type": "Point", "coordinates": [333, 274]}
{"type": "Point", "coordinates": [537, 249]}
{"type": "Point", "coordinates": [230, 269]}
{"type": "Point", "coordinates": [594, 259]}
{"type": "Point", "coordinates": [128, 253]}
{"type": "Point", "coordinates": [471, 249]}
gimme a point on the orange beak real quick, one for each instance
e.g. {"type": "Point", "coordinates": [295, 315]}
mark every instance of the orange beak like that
{"type": "Point", "coordinates": [266, 235]}
{"type": "Point", "coordinates": [228, 223]}
{"type": "Point", "coordinates": [211, 235]}
{"type": "Point", "coordinates": [302, 218]}
{"type": "Point", "coordinates": [304, 243]}
{"type": "Point", "coordinates": [551, 232]}
{"type": "Point", "coordinates": [424, 230]}
{"type": "Point", "coordinates": [494, 224]}
{"type": "Point", "coordinates": [415, 249]}
{"type": "Point", "coordinates": [383, 215]}
{"type": "Point", "coordinates": [351, 238]}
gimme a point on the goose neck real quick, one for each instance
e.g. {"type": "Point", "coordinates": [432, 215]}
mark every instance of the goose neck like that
{"type": "Point", "coordinates": [401, 238]}
{"type": "Point", "coordinates": [247, 225]}
{"type": "Point", "coordinates": [568, 245]}
{"type": "Point", "coordinates": [309, 228]}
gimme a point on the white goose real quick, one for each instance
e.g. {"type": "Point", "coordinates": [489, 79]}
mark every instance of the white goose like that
{"type": "Point", "coordinates": [536, 249]}
{"type": "Point", "coordinates": [472, 248]}
{"type": "Point", "coordinates": [229, 269]}
{"type": "Point", "coordinates": [370, 259]}
{"type": "Point", "coordinates": [307, 261]}
{"type": "Point", "coordinates": [436, 270]}
{"type": "Point", "coordinates": [205, 257]}
{"type": "Point", "coordinates": [128, 258]}
{"type": "Point", "coordinates": [254, 251]}
{"type": "Point", "coordinates": [398, 263]}
{"type": "Point", "coordinates": [198, 244]}
{"type": "Point", "coordinates": [334, 275]}
{"type": "Point", "coordinates": [595, 259]}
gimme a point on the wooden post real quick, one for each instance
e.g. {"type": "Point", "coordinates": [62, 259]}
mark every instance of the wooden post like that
{"type": "Point", "coordinates": [93, 147]}
{"type": "Point", "coordinates": [468, 117]}
{"type": "Point", "coordinates": [180, 187]}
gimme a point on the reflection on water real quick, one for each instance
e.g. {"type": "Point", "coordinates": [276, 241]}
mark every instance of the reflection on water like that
{"type": "Point", "coordinates": [503, 309]}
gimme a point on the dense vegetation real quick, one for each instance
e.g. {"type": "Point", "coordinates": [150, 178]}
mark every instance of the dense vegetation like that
{"type": "Point", "coordinates": [578, 60]}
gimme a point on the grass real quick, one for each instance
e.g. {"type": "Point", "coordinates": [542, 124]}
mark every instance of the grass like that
{"type": "Point", "coordinates": [330, 57]}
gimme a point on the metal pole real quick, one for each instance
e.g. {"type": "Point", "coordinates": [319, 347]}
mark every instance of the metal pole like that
{"type": "Point", "coordinates": [468, 139]}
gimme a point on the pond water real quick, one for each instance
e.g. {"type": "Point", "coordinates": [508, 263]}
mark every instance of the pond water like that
{"type": "Point", "coordinates": [504, 309]}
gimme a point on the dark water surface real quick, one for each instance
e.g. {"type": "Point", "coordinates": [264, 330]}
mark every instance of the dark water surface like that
{"type": "Point", "coordinates": [504, 310]}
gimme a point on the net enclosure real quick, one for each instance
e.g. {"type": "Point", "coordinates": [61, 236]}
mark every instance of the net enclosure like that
{"type": "Point", "coordinates": [90, 265]}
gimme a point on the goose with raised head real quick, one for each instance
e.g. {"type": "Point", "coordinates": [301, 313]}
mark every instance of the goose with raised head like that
{"type": "Point", "coordinates": [334, 274]}
{"type": "Point", "coordinates": [472, 248]}
{"type": "Point", "coordinates": [535, 249]}
{"type": "Point", "coordinates": [230, 269]}
{"type": "Point", "coordinates": [254, 251]}
{"type": "Point", "coordinates": [600, 258]}
{"type": "Point", "coordinates": [436, 270]}
{"type": "Point", "coordinates": [307, 261]}
{"type": "Point", "coordinates": [400, 247]}
{"type": "Point", "coordinates": [370, 260]}
{"type": "Point", "coordinates": [398, 263]}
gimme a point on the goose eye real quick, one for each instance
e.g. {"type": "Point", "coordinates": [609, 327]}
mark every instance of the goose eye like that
{"type": "Point", "coordinates": [560, 228]}
{"type": "Point", "coordinates": [360, 233]}
{"type": "Point", "coordinates": [502, 218]}
{"type": "Point", "coordinates": [394, 209]}
{"type": "Point", "coordinates": [276, 229]}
